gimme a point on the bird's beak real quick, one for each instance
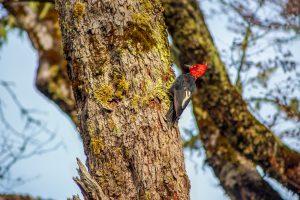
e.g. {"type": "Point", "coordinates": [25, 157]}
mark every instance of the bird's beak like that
{"type": "Point", "coordinates": [187, 66]}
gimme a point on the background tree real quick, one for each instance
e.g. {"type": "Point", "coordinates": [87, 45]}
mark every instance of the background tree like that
{"type": "Point", "coordinates": [223, 102]}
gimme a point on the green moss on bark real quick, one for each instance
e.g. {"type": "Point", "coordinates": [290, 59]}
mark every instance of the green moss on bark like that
{"type": "Point", "coordinates": [121, 86]}
{"type": "Point", "coordinates": [151, 91]}
{"type": "Point", "coordinates": [104, 94]}
{"type": "Point", "coordinates": [79, 9]}
{"type": "Point", "coordinates": [97, 146]}
{"type": "Point", "coordinates": [139, 33]}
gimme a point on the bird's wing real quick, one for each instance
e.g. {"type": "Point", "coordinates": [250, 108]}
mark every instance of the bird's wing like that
{"type": "Point", "coordinates": [182, 98]}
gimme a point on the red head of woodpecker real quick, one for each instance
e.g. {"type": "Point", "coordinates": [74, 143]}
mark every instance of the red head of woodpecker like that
{"type": "Point", "coordinates": [198, 70]}
{"type": "Point", "coordinates": [181, 91]}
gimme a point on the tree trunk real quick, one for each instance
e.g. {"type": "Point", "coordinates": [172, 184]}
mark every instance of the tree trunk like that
{"type": "Point", "coordinates": [222, 102]}
{"type": "Point", "coordinates": [118, 59]}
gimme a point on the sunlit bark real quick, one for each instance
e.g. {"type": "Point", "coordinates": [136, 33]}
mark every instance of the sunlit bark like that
{"type": "Point", "coordinates": [118, 57]}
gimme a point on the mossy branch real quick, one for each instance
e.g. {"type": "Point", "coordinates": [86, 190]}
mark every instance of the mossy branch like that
{"type": "Point", "coordinates": [223, 102]}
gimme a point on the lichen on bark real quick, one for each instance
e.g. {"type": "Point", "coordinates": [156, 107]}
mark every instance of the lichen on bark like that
{"type": "Point", "coordinates": [118, 54]}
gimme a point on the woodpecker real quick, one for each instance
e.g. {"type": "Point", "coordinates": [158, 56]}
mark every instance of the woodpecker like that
{"type": "Point", "coordinates": [181, 91]}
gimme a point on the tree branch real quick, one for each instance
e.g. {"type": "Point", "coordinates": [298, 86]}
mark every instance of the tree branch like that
{"type": "Point", "coordinates": [289, 16]}
{"type": "Point", "coordinates": [238, 176]}
{"type": "Point", "coordinates": [223, 102]}
{"type": "Point", "coordinates": [288, 110]}
{"type": "Point", "coordinates": [44, 33]}
{"type": "Point", "coordinates": [244, 47]}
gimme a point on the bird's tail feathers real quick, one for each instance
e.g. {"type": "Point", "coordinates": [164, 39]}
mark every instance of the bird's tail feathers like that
{"type": "Point", "coordinates": [171, 115]}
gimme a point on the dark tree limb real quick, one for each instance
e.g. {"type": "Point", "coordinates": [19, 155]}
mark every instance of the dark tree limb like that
{"type": "Point", "coordinates": [238, 176]}
{"type": "Point", "coordinates": [223, 102]}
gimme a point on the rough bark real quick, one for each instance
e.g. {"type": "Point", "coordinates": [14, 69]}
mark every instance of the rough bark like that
{"type": "Point", "coordinates": [222, 101]}
{"type": "Point", "coordinates": [44, 33]}
{"type": "Point", "coordinates": [118, 58]}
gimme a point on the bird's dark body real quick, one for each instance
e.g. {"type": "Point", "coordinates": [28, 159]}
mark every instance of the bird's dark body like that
{"type": "Point", "coordinates": [180, 95]}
